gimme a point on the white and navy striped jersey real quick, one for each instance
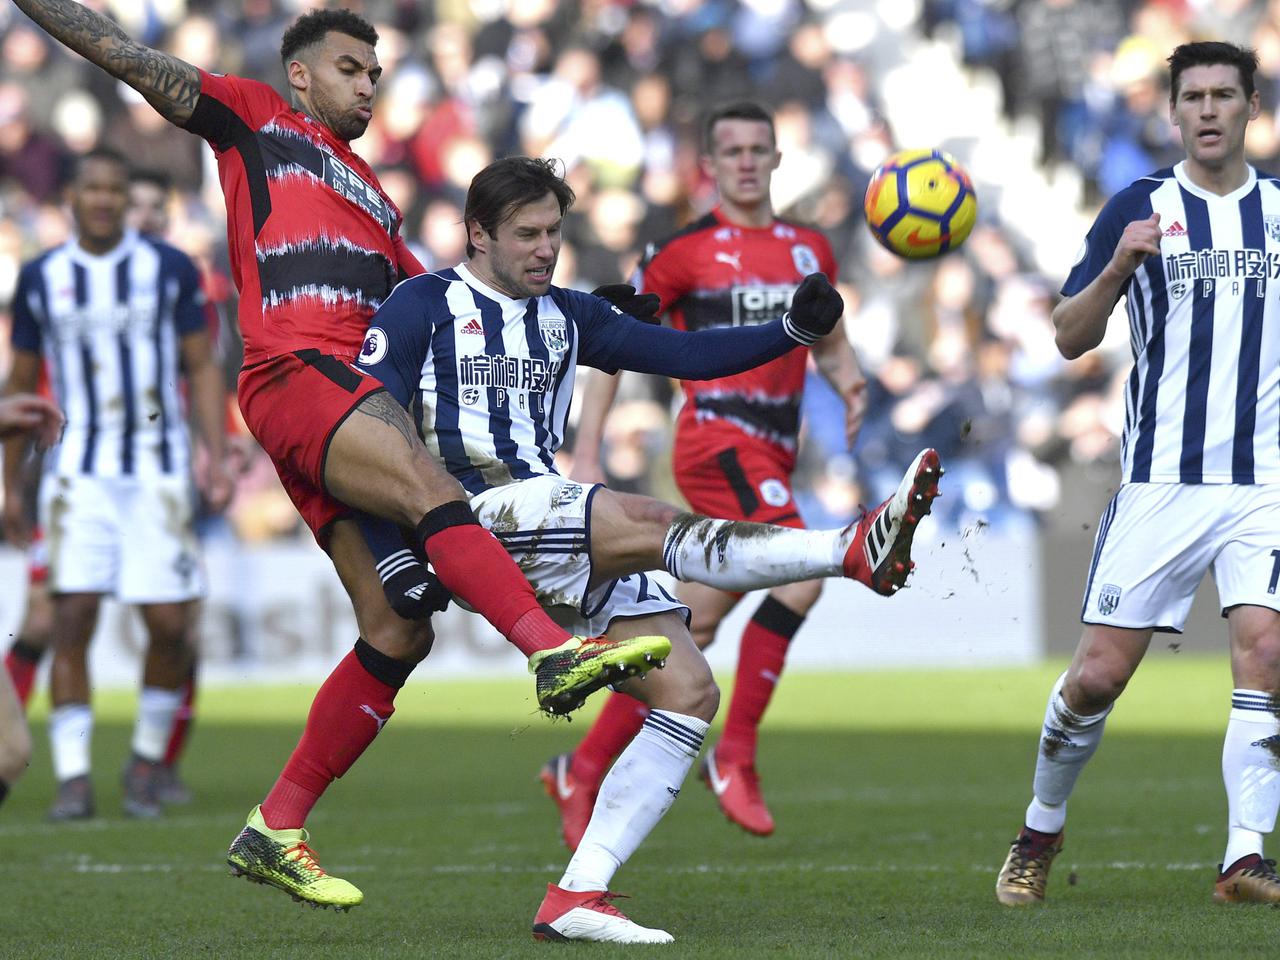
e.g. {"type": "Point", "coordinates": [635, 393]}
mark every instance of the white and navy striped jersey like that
{"type": "Point", "coordinates": [109, 326]}
{"type": "Point", "coordinates": [1202, 404]}
{"type": "Point", "coordinates": [489, 379]}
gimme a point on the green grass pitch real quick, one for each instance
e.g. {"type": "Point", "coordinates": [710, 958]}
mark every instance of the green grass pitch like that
{"type": "Point", "coordinates": [896, 795]}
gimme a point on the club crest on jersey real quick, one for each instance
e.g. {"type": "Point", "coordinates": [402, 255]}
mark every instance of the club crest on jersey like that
{"type": "Point", "coordinates": [805, 259]}
{"type": "Point", "coordinates": [1271, 224]}
{"type": "Point", "coordinates": [375, 346]}
{"type": "Point", "coordinates": [1108, 599]}
{"type": "Point", "coordinates": [565, 494]}
{"type": "Point", "coordinates": [774, 492]}
{"type": "Point", "coordinates": [554, 332]}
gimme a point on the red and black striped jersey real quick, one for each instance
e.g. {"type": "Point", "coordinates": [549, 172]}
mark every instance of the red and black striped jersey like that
{"type": "Point", "coordinates": [716, 274]}
{"type": "Point", "coordinates": [315, 242]}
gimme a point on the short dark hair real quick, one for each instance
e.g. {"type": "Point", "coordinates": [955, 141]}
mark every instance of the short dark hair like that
{"type": "Point", "coordinates": [1206, 53]}
{"type": "Point", "coordinates": [104, 154]}
{"type": "Point", "coordinates": [155, 178]}
{"type": "Point", "coordinates": [506, 185]}
{"type": "Point", "coordinates": [742, 110]}
{"type": "Point", "coordinates": [311, 27]}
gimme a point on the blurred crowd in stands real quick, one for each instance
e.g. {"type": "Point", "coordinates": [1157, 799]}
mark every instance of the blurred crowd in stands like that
{"type": "Point", "coordinates": [959, 352]}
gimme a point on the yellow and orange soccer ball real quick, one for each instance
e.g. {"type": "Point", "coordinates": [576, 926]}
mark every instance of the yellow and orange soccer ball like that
{"type": "Point", "coordinates": [920, 204]}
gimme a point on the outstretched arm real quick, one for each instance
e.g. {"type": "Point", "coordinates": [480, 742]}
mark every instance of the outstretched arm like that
{"type": "Point", "coordinates": [722, 351]}
{"type": "Point", "coordinates": [170, 85]}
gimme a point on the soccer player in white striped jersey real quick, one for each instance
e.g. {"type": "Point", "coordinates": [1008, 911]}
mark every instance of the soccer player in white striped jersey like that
{"type": "Point", "coordinates": [1195, 250]}
{"type": "Point", "coordinates": [484, 356]}
{"type": "Point", "coordinates": [118, 317]}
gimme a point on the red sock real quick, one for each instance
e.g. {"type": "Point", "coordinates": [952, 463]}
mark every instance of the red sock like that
{"type": "Point", "coordinates": [760, 659]}
{"type": "Point", "coordinates": [182, 721]}
{"type": "Point", "coordinates": [477, 569]}
{"type": "Point", "coordinates": [347, 713]}
{"type": "Point", "coordinates": [619, 721]}
{"type": "Point", "coordinates": [21, 662]}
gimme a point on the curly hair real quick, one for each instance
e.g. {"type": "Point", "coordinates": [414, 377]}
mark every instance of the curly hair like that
{"type": "Point", "coordinates": [310, 28]}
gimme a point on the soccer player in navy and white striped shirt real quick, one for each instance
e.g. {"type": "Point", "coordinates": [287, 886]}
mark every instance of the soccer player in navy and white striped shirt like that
{"type": "Point", "coordinates": [118, 318]}
{"type": "Point", "coordinates": [484, 356]}
{"type": "Point", "coordinates": [1195, 251]}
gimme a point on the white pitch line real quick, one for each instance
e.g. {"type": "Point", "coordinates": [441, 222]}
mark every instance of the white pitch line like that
{"type": "Point", "coordinates": [85, 865]}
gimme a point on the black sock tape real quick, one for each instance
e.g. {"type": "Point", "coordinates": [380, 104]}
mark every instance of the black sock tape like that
{"type": "Point", "coordinates": [389, 670]}
{"type": "Point", "coordinates": [777, 617]}
{"type": "Point", "coordinates": [25, 651]}
{"type": "Point", "coordinates": [455, 513]}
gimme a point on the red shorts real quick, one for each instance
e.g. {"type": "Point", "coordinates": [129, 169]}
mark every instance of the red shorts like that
{"type": "Point", "coordinates": [746, 482]}
{"type": "Point", "coordinates": [293, 405]}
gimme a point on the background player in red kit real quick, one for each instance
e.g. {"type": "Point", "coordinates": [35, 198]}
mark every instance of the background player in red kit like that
{"type": "Point", "coordinates": [30, 414]}
{"type": "Point", "coordinates": [735, 446]}
{"type": "Point", "coordinates": [315, 248]}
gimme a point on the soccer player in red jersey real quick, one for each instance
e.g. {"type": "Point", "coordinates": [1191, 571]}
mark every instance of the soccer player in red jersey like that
{"type": "Point", "coordinates": [735, 447]}
{"type": "Point", "coordinates": [21, 413]}
{"type": "Point", "coordinates": [315, 247]}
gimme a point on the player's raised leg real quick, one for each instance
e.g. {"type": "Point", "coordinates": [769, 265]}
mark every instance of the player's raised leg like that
{"type": "Point", "coordinates": [376, 463]}
{"type": "Point", "coordinates": [348, 712]}
{"type": "Point", "coordinates": [733, 555]}
{"type": "Point", "coordinates": [1249, 757]}
{"type": "Point", "coordinates": [879, 553]}
{"type": "Point", "coordinates": [1073, 724]}
{"type": "Point", "coordinates": [637, 791]}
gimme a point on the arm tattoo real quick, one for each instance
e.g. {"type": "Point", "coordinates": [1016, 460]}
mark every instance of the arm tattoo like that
{"type": "Point", "coordinates": [170, 85]}
{"type": "Point", "coordinates": [382, 406]}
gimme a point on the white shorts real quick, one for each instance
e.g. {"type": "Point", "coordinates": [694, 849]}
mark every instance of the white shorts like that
{"type": "Point", "coordinates": [545, 524]}
{"type": "Point", "coordinates": [1156, 540]}
{"type": "Point", "coordinates": [130, 537]}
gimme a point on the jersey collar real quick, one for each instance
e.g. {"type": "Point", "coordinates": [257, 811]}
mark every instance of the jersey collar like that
{"type": "Point", "coordinates": [117, 253]}
{"type": "Point", "coordinates": [1180, 174]}
{"type": "Point", "coordinates": [718, 212]}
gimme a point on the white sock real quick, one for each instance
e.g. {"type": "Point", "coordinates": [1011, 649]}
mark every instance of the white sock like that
{"type": "Point", "coordinates": [1249, 754]}
{"type": "Point", "coordinates": [1067, 741]}
{"type": "Point", "coordinates": [70, 732]}
{"type": "Point", "coordinates": [640, 787]}
{"type": "Point", "coordinates": [157, 709]}
{"type": "Point", "coordinates": [738, 556]}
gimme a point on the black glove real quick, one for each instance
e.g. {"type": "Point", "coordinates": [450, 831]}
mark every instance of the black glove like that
{"type": "Point", "coordinates": [414, 592]}
{"type": "Point", "coordinates": [642, 306]}
{"type": "Point", "coordinates": [815, 308]}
